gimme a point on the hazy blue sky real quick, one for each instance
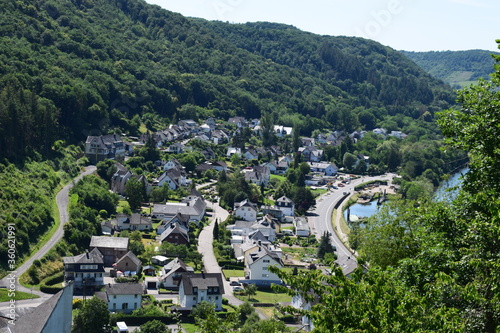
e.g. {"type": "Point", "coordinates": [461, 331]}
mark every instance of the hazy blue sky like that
{"type": "Point", "coordinates": [413, 25]}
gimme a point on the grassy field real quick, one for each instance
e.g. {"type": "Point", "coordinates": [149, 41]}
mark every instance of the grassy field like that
{"type": "Point", "coordinates": [267, 311]}
{"type": "Point", "coordinates": [266, 297]}
{"type": "Point", "coordinates": [319, 191]}
{"type": "Point", "coordinates": [4, 295]}
{"type": "Point", "coordinates": [298, 252]}
{"type": "Point", "coordinates": [122, 205]}
{"type": "Point", "coordinates": [280, 178]}
{"type": "Point", "coordinates": [344, 227]}
{"type": "Point", "coordinates": [233, 273]}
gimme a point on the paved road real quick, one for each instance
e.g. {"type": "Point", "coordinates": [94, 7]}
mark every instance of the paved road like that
{"type": "Point", "coordinates": [205, 247]}
{"type": "Point", "coordinates": [322, 221]}
{"type": "Point", "coordinates": [62, 200]}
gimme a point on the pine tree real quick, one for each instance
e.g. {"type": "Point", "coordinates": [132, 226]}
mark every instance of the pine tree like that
{"type": "Point", "coordinates": [216, 230]}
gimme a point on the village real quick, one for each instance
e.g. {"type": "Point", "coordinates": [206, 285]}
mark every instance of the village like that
{"type": "Point", "coordinates": [199, 242]}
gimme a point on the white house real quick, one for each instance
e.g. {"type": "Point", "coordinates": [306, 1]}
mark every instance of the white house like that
{"type": "Point", "coordinates": [329, 169]}
{"type": "Point", "coordinates": [122, 297]}
{"type": "Point", "coordinates": [171, 273]}
{"type": "Point", "coordinates": [257, 267]}
{"type": "Point", "coordinates": [301, 227]}
{"type": "Point", "coordinates": [172, 163]}
{"type": "Point", "coordinates": [193, 205]}
{"type": "Point", "coordinates": [198, 287]}
{"type": "Point", "coordinates": [300, 303]}
{"type": "Point", "coordinates": [242, 230]}
{"type": "Point", "coordinates": [245, 210]}
{"type": "Point", "coordinates": [286, 206]}
{"type": "Point", "coordinates": [282, 131]}
{"type": "Point", "coordinates": [232, 150]}
{"type": "Point", "coordinates": [174, 177]}
{"type": "Point", "coordinates": [85, 270]}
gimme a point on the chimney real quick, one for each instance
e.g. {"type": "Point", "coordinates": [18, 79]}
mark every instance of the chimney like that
{"type": "Point", "coordinates": [203, 275]}
{"type": "Point", "coordinates": [87, 254]}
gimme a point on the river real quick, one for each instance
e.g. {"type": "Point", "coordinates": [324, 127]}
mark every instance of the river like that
{"type": "Point", "coordinates": [448, 190]}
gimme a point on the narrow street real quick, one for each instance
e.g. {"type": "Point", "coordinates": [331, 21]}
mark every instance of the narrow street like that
{"type": "Point", "coordinates": [62, 200]}
{"type": "Point", "coordinates": [205, 247]}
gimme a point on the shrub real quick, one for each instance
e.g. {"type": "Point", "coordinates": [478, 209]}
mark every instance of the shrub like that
{"type": "Point", "coordinates": [77, 303]}
{"type": "Point", "coordinates": [52, 284]}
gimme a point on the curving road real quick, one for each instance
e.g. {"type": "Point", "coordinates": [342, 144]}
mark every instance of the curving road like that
{"type": "Point", "coordinates": [62, 200]}
{"type": "Point", "coordinates": [321, 221]}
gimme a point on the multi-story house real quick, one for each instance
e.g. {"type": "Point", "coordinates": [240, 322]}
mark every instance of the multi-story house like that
{"type": "Point", "coordinates": [195, 288]}
{"type": "Point", "coordinates": [86, 271]}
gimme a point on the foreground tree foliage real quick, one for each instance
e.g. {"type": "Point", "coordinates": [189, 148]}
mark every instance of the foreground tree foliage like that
{"type": "Point", "coordinates": [92, 317]}
{"type": "Point", "coordinates": [432, 266]}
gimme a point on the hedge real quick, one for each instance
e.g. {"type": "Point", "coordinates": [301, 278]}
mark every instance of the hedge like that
{"type": "Point", "coordinates": [52, 284]}
{"type": "Point", "coordinates": [134, 320]}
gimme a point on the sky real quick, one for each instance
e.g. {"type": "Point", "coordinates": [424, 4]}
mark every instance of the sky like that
{"type": "Point", "coordinates": [411, 25]}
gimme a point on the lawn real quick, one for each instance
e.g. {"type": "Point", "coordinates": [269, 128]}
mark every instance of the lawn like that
{"type": "Point", "coordinates": [122, 205]}
{"type": "Point", "coordinates": [299, 252]}
{"type": "Point", "coordinates": [319, 191]}
{"type": "Point", "coordinates": [233, 272]}
{"type": "Point", "coordinates": [190, 328]}
{"type": "Point", "coordinates": [266, 297]}
{"type": "Point", "coordinates": [267, 311]}
{"type": "Point", "coordinates": [5, 297]}
{"type": "Point", "coordinates": [280, 178]}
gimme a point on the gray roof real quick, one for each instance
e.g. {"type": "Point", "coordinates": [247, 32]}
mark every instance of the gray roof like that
{"type": "Point", "coordinates": [192, 208]}
{"type": "Point", "coordinates": [260, 253]}
{"type": "Point", "coordinates": [132, 257]}
{"type": "Point", "coordinates": [202, 281]}
{"type": "Point", "coordinates": [174, 228]}
{"type": "Point", "coordinates": [245, 203]}
{"type": "Point", "coordinates": [137, 219]}
{"type": "Point", "coordinates": [109, 242]}
{"type": "Point", "coordinates": [175, 266]}
{"type": "Point", "coordinates": [36, 320]}
{"type": "Point", "coordinates": [93, 257]}
{"type": "Point", "coordinates": [124, 289]}
{"type": "Point", "coordinates": [284, 199]}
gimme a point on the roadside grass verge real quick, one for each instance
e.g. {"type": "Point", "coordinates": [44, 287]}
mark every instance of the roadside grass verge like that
{"type": "Point", "coordinates": [19, 295]}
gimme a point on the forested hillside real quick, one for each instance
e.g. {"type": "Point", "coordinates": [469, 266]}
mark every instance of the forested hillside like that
{"type": "Point", "coordinates": [73, 68]}
{"type": "Point", "coordinates": [457, 68]}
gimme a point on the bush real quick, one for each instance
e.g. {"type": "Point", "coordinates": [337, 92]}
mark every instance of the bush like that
{"type": "Point", "coordinates": [77, 303]}
{"type": "Point", "coordinates": [52, 284]}
{"type": "Point", "coordinates": [124, 279]}
{"type": "Point", "coordinates": [133, 320]}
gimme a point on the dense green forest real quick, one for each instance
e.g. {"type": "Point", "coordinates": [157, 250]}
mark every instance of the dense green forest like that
{"type": "Point", "coordinates": [73, 68]}
{"type": "Point", "coordinates": [457, 68]}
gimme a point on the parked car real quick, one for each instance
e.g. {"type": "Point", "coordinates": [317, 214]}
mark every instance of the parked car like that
{"type": "Point", "coordinates": [235, 283]}
{"type": "Point", "coordinates": [237, 288]}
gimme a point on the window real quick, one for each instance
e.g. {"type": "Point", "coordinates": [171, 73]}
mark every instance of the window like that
{"type": "Point", "coordinates": [124, 306]}
{"type": "Point", "coordinates": [195, 290]}
{"type": "Point", "coordinates": [135, 305]}
{"type": "Point", "coordinates": [264, 268]}
{"type": "Point", "coordinates": [114, 296]}
{"type": "Point", "coordinates": [194, 298]}
{"type": "Point", "coordinates": [135, 296]}
{"type": "Point", "coordinates": [114, 305]}
{"type": "Point", "coordinates": [266, 261]}
{"type": "Point", "coordinates": [265, 275]}
{"type": "Point", "coordinates": [216, 298]}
